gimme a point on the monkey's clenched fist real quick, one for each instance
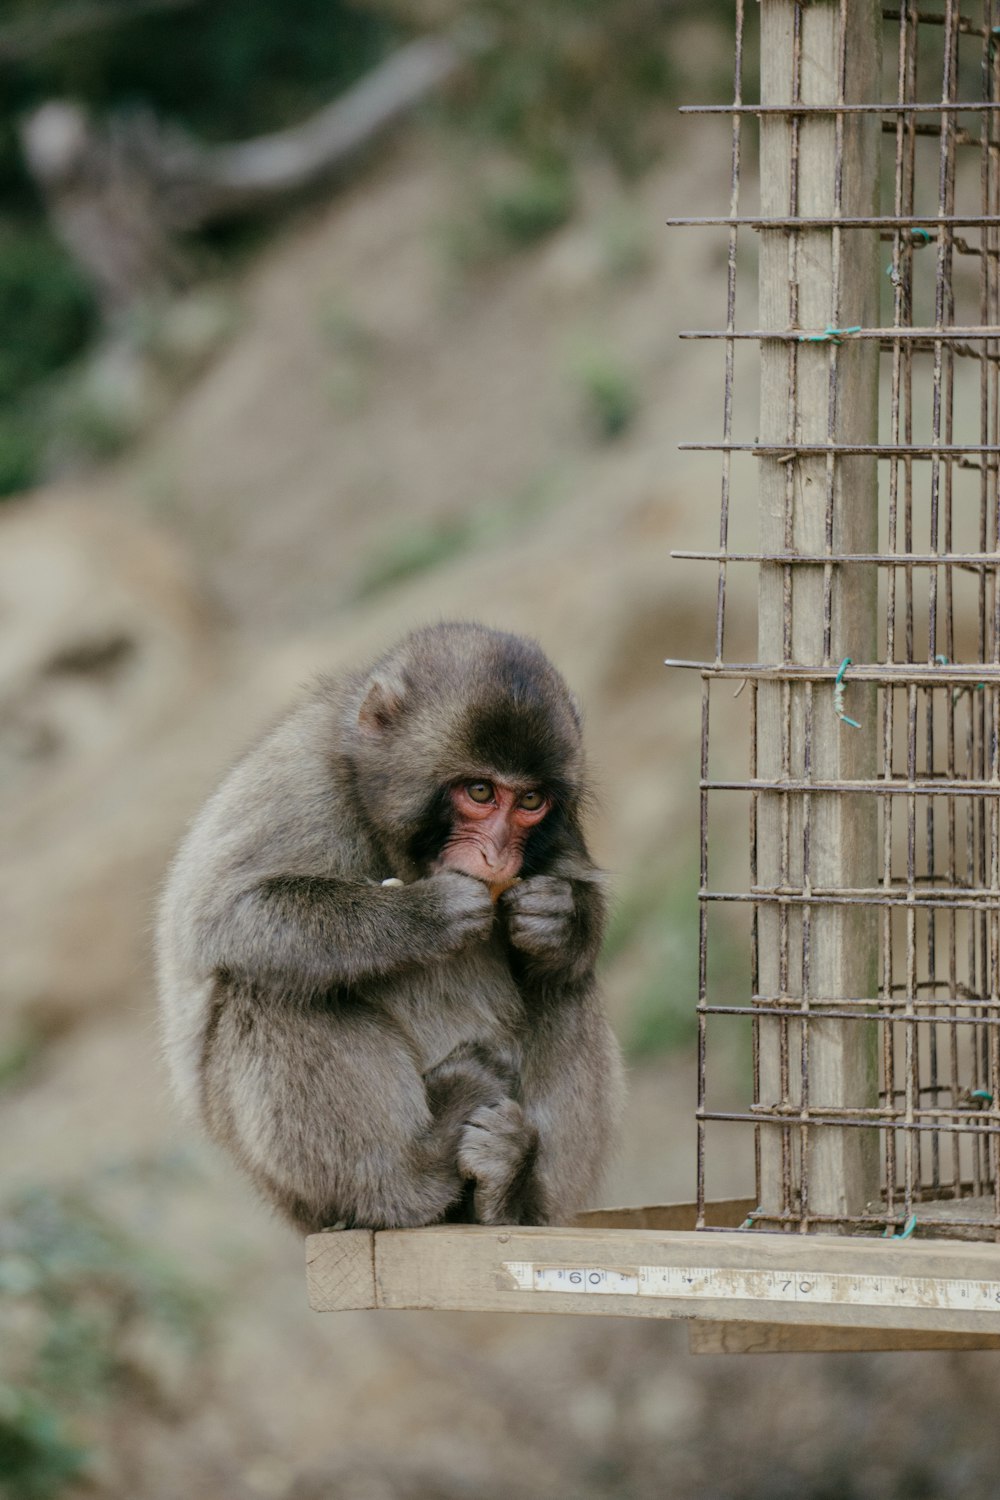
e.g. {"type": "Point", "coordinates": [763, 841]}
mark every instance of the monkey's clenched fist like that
{"type": "Point", "coordinates": [543, 922]}
{"type": "Point", "coordinates": [344, 1006]}
{"type": "Point", "coordinates": [465, 910]}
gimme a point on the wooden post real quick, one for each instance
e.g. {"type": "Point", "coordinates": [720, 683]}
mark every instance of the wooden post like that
{"type": "Point", "coordinates": [817, 392]}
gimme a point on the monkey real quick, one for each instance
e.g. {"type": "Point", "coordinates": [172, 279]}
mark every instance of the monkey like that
{"type": "Point", "coordinates": [376, 948]}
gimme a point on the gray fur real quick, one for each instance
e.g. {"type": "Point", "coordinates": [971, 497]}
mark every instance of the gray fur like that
{"type": "Point", "coordinates": [393, 1056]}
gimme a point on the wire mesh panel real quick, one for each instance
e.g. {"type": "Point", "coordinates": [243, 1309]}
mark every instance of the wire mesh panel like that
{"type": "Point", "coordinates": [871, 780]}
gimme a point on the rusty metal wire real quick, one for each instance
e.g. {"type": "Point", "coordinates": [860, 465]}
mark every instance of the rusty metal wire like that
{"type": "Point", "coordinates": [919, 773]}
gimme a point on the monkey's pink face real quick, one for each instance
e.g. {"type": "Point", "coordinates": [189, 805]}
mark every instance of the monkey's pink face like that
{"type": "Point", "coordinates": [491, 823]}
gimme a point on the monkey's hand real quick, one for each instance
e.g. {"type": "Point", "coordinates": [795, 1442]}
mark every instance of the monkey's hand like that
{"type": "Point", "coordinates": [497, 1150]}
{"type": "Point", "coordinates": [541, 917]}
{"type": "Point", "coordinates": [556, 924]}
{"type": "Point", "coordinates": [460, 908]}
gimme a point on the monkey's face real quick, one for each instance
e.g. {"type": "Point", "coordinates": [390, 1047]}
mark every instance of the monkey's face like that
{"type": "Point", "coordinates": [490, 821]}
{"type": "Point", "coordinates": [467, 754]}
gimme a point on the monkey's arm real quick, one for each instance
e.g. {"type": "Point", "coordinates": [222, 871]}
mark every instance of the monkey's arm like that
{"type": "Point", "coordinates": [571, 1089]}
{"type": "Point", "coordinates": [307, 931]}
{"type": "Point", "coordinates": [555, 924]}
{"type": "Point", "coordinates": [542, 1166]}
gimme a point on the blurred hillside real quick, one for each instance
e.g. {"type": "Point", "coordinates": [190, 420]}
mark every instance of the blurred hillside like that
{"type": "Point", "coordinates": [453, 387]}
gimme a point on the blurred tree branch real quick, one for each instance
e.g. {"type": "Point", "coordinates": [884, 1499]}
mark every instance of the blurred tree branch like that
{"type": "Point", "coordinates": [19, 39]}
{"type": "Point", "coordinates": [237, 177]}
{"type": "Point", "coordinates": [121, 193]}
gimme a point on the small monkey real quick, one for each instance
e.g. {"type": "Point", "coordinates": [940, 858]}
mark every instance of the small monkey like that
{"type": "Point", "coordinates": [377, 945]}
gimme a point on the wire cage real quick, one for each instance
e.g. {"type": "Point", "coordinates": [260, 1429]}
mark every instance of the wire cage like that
{"type": "Point", "coordinates": [871, 784]}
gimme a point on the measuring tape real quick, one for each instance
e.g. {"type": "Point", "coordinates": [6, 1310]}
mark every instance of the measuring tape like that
{"type": "Point", "coordinates": [814, 1288]}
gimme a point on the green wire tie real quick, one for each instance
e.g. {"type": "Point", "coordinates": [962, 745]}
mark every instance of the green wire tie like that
{"type": "Point", "coordinates": [838, 695]}
{"type": "Point", "coordinates": [830, 335]}
{"type": "Point", "coordinates": [920, 237]}
{"type": "Point", "coordinates": [906, 1230]}
{"type": "Point", "coordinates": [983, 1094]}
{"type": "Point", "coordinates": [979, 687]}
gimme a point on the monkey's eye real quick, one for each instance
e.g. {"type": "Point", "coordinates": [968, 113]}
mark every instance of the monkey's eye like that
{"type": "Point", "coordinates": [532, 801]}
{"type": "Point", "coordinates": [480, 791]}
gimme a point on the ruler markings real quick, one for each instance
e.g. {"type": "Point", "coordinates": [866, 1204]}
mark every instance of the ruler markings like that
{"type": "Point", "coordinates": [743, 1284]}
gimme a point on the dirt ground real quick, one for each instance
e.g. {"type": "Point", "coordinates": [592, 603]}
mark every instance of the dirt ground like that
{"type": "Point", "coordinates": [377, 404]}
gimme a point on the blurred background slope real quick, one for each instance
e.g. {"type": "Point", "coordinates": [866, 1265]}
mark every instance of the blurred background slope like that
{"type": "Point", "coordinates": [247, 436]}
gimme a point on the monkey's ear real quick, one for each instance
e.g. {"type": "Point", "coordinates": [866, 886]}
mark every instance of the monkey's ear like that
{"type": "Point", "coordinates": [382, 704]}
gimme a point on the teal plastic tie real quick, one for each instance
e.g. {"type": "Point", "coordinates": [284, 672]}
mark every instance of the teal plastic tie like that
{"type": "Point", "coordinates": [838, 695]}
{"type": "Point", "coordinates": [830, 335]}
{"type": "Point", "coordinates": [919, 237]}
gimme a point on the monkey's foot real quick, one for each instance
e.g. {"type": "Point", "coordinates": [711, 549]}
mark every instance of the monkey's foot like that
{"type": "Point", "coordinates": [497, 1149]}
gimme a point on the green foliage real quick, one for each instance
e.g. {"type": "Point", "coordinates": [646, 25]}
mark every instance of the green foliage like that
{"type": "Point", "coordinates": [530, 205]}
{"type": "Point", "coordinates": [352, 348]}
{"type": "Point", "coordinates": [37, 1458]}
{"type": "Point", "coordinates": [609, 394]}
{"type": "Point", "coordinates": [524, 203]}
{"type": "Point", "coordinates": [47, 314]}
{"type": "Point", "coordinates": [626, 242]}
{"type": "Point", "coordinates": [46, 309]}
{"type": "Point", "coordinates": [425, 545]}
{"type": "Point", "coordinates": [569, 77]}
{"type": "Point", "coordinates": [19, 1055]}
{"type": "Point", "coordinates": [91, 424]}
{"type": "Point", "coordinates": [654, 931]}
{"type": "Point", "coordinates": [413, 550]}
{"type": "Point", "coordinates": [654, 925]}
{"type": "Point", "coordinates": [22, 445]}
{"type": "Point", "coordinates": [75, 1291]}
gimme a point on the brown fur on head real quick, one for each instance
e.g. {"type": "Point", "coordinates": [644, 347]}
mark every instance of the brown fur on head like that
{"type": "Point", "coordinates": [455, 701]}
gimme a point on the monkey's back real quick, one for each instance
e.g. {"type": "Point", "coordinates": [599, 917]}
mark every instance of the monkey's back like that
{"type": "Point", "coordinates": [277, 811]}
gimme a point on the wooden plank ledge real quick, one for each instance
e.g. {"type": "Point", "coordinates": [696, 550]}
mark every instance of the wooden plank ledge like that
{"type": "Point", "coordinates": [781, 1338]}
{"type": "Point", "coordinates": [734, 1277]}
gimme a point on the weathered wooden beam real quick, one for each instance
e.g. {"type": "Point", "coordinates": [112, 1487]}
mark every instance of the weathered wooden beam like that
{"type": "Point", "coordinates": [781, 1338]}
{"type": "Point", "coordinates": [817, 392]}
{"type": "Point", "coordinates": [728, 1213]}
{"type": "Point", "coordinates": [732, 1276]}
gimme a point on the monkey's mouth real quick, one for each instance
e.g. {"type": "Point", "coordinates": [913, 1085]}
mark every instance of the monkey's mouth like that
{"type": "Point", "coordinates": [497, 887]}
{"type": "Point", "coordinates": [497, 884]}
{"type": "Point", "coordinates": [491, 865]}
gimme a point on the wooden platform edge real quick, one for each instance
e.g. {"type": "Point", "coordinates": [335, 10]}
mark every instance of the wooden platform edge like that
{"type": "Point", "coordinates": [785, 1338]}
{"type": "Point", "coordinates": [340, 1263]}
{"type": "Point", "coordinates": [727, 1213]}
{"type": "Point", "coordinates": [340, 1270]}
{"type": "Point", "coordinates": [484, 1269]}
